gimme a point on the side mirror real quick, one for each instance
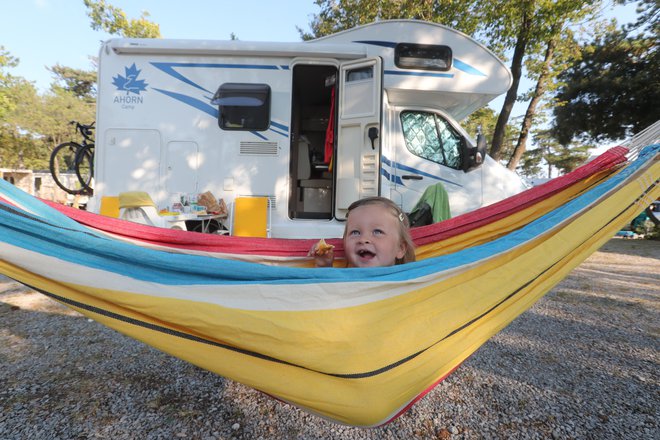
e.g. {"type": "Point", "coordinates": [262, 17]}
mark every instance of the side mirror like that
{"type": "Point", "coordinates": [480, 155]}
{"type": "Point", "coordinates": [476, 155]}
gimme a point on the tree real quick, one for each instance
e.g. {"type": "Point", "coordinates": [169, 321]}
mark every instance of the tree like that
{"type": "Point", "coordinates": [530, 27]}
{"type": "Point", "coordinates": [612, 91]}
{"type": "Point", "coordinates": [648, 17]}
{"type": "Point", "coordinates": [113, 21]}
{"type": "Point", "coordinates": [81, 83]}
{"type": "Point", "coordinates": [339, 15]}
{"type": "Point", "coordinates": [481, 120]}
{"type": "Point", "coordinates": [521, 145]}
{"type": "Point", "coordinates": [20, 147]}
{"type": "Point", "coordinates": [61, 108]}
{"type": "Point", "coordinates": [564, 158]}
{"type": "Point", "coordinates": [38, 123]}
{"type": "Point", "coordinates": [6, 80]}
{"type": "Point", "coordinates": [484, 120]}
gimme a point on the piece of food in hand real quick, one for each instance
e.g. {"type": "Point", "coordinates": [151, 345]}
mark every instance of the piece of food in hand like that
{"type": "Point", "coordinates": [322, 248]}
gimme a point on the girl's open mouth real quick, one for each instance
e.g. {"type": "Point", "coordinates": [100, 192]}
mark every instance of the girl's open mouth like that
{"type": "Point", "coordinates": [365, 254]}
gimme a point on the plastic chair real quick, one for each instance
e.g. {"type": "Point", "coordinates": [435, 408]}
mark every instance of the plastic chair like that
{"type": "Point", "coordinates": [110, 206]}
{"type": "Point", "coordinates": [138, 207]}
{"type": "Point", "coordinates": [250, 217]}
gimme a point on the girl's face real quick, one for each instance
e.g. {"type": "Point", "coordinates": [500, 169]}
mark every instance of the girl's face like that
{"type": "Point", "coordinates": [372, 237]}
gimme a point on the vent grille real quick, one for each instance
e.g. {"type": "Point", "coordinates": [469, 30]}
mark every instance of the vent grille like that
{"type": "Point", "coordinates": [259, 148]}
{"type": "Point", "coordinates": [369, 175]}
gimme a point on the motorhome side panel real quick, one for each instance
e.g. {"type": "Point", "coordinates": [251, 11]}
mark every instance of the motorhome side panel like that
{"type": "Point", "coordinates": [158, 131]}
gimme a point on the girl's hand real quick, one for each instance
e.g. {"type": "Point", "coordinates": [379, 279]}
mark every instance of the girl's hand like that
{"type": "Point", "coordinates": [323, 254]}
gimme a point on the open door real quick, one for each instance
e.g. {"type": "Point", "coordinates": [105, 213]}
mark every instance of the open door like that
{"type": "Point", "coordinates": [358, 132]}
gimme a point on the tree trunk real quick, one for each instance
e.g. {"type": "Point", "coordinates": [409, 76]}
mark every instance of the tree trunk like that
{"type": "Point", "coordinates": [512, 93]}
{"type": "Point", "coordinates": [521, 146]}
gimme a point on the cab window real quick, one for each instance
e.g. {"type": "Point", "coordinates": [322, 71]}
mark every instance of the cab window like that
{"type": "Point", "coordinates": [431, 137]}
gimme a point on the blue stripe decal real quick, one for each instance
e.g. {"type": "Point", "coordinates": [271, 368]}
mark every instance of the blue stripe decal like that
{"type": "Point", "coordinates": [406, 168]}
{"type": "Point", "coordinates": [465, 67]}
{"type": "Point", "coordinates": [278, 132]}
{"type": "Point", "coordinates": [395, 179]}
{"type": "Point", "coordinates": [193, 102]}
{"type": "Point", "coordinates": [168, 68]}
{"type": "Point", "coordinates": [422, 173]}
{"type": "Point", "coordinates": [390, 44]}
{"type": "Point", "coordinates": [279, 126]}
{"type": "Point", "coordinates": [431, 74]}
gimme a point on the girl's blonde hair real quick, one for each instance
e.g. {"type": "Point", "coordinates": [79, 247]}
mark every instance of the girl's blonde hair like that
{"type": "Point", "coordinates": [404, 224]}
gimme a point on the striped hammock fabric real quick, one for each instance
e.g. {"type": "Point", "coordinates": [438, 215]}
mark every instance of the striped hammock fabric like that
{"type": "Point", "coordinates": [441, 238]}
{"type": "Point", "coordinates": [357, 346]}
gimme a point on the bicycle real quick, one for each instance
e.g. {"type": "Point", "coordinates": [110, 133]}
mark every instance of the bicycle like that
{"type": "Point", "coordinates": [76, 158]}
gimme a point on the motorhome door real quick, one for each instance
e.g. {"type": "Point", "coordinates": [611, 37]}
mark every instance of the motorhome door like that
{"type": "Point", "coordinates": [358, 132]}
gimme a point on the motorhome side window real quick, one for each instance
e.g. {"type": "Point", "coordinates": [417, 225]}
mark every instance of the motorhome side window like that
{"type": "Point", "coordinates": [431, 137]}
{"type": "Point", "coordinates": [243, 106]}
{"type": "Point", "coordinates": [422, 56]}
{"type": "Point", "coordinates": [360, 74]}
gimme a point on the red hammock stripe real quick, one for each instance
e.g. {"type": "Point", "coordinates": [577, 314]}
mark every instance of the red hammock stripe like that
{"type": "Point", "coordinates": [278, 247]}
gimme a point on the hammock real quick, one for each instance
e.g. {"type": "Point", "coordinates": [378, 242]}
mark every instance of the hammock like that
{"type": "Point", "coordinates": [441, 238]}
{"type": "Point", "coordinates": [357, 346]}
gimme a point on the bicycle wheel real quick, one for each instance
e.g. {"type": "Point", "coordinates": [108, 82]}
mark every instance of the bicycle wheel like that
{"type": "Point", "coordinates": [84, 167]}
{"type": "Point", "coordinates": [62, 167]}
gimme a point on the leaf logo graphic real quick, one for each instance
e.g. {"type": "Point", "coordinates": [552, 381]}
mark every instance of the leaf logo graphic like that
{"type": "Point", "coordinates": [130, 83]}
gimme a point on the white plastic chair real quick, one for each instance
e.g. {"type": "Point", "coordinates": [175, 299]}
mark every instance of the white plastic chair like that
{"type": "Point", "coordinates": [138, 207]}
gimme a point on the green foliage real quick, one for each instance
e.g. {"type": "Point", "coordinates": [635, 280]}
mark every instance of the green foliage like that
{"type": "Point", "coordinates": [113, 21]}
{"type": "Point", "coordinates": [531, 164]}
{"type": "Point", "coordinates": [485, 119]}
{"type": "Point", "coordinates": [564, 158]}
{"type": "Point", "coordinates": [81, 83]}
{"type": "Point", "coordinates": [23, 152]}
{"type": "Point", "coordinates": [59, 109]}
{"type": "Point", "coordinates": [533, 30]}
{"type": "Point", "coordinates": [37, 123]}
{"type": "Point", "coordinates": [611, 92]}
{"type": "Point", "coordinates": [6, 101]}
{"type": "Point", "coordinates": [648, 17]}
{"type": "Point", "coordinates": [33, 124]}
{"type": "Point", "coordinates": [339, 15]}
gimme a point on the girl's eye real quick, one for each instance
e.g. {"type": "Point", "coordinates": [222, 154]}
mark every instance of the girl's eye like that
{"type": "Point", "coordinates": [354, 233]}
{"type": "Point", "coordinates": [378, 232]}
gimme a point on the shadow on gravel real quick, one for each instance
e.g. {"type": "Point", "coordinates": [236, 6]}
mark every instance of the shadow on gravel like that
{"type": "Point", "coordinates": [552, 366]}
{"type": "Point", "coordinates": [78, 377]}
{"type": "Point", "coordinates": [633, 247]}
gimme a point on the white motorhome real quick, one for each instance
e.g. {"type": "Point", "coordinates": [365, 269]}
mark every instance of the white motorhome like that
{"type": "Point", "coordinates": [311, 125]}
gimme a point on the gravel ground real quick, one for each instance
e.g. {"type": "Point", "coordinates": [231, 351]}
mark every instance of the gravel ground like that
{"type": "Point", "coordinates": [582, 363]}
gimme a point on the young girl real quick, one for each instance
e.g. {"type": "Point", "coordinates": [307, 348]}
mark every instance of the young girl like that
{"type": "Point", "coordinates": [376, 234]}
